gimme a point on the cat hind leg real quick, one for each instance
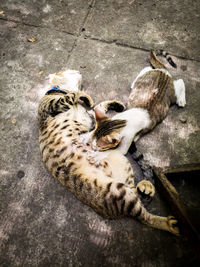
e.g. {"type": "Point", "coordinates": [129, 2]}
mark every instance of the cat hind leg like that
{"type": "Point", "coordinates": [163, 223]}
{"type": "Point", "coordinates": [121, 200]}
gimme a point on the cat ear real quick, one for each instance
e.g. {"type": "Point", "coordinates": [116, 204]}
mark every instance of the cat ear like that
{"type": "Point", "coordinates": [99, 114]}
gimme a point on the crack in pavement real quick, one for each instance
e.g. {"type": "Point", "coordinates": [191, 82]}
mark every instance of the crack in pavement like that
{"type": "Point", "coordinates": [81, 35]}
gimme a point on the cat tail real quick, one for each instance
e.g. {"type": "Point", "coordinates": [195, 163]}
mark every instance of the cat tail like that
{"type": "Point", "coordinates": [155, 62]}
{"type": "Point", "coordinates": [121, 200]}
{"type": "Point", "coordinates": [168, 57]}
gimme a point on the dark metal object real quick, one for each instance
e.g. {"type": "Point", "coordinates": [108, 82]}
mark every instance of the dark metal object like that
{"type": "Point", "coordinates": [188, 214]}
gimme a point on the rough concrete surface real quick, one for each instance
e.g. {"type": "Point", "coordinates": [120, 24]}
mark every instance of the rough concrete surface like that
{"type": "Point", "coordinates": [41, 223]}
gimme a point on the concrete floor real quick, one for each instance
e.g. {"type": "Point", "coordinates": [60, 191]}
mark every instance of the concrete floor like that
{"type": "Point", "coordinates": [41, 223]}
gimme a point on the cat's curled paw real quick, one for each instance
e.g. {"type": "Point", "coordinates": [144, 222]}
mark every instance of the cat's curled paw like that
{"type": "Point", "coordinates": [114, 105]}
{"type": "Point", "coordinates": [173, 225]}
{"type": "Point", "coordinates": [117, 106]}
{"type": "Point", "coordinates": [146, 188]}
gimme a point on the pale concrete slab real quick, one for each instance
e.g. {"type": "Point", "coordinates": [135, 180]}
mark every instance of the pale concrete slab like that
{"type": "Point", "coordinates": [107, 69]}
{"type": "Point", "coordinates": [159, 24]}
{"type": "Point", "coordinates": [67, 15]}
{"type": "Point", "coordinates": [47, 52]}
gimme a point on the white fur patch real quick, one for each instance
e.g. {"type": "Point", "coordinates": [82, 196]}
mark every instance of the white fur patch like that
{"type": "Point", "coordinates": [165, 71]}
{"type": "Point", "coordinates": [86, 138]}
{"type": "Point", "coordinates": [179, 88]}
{"type": "Point", "coordinates": [137, 120]}
{"type": "Point", "coordinates": [68, 79]}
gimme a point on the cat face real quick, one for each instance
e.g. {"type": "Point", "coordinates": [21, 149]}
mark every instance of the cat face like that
{"type": "Point", "coordinates": [107, 132]}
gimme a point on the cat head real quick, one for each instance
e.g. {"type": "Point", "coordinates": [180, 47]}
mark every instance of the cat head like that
{"type": "Point", "coordinates": [107, 131]}
{"type": "Point", "coordinates": [69, 80]}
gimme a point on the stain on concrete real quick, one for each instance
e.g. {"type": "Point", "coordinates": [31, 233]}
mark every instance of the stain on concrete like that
{"type": "Point", "coordinates": [20, 174]}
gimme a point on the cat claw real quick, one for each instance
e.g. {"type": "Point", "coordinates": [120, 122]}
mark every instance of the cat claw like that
{"type": "Point", "coordinates": [173, 225]}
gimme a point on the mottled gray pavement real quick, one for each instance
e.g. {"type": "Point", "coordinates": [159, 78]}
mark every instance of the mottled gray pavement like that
{"type": "Point", "coordinates": [41, 223]}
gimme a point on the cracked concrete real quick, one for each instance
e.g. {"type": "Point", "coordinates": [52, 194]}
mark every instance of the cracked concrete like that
{"type": "Point", "coordinates": [41, 222]}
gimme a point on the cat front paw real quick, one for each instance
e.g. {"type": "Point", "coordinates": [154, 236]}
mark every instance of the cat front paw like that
{"type": "Point", "coordinates": [115, 105]}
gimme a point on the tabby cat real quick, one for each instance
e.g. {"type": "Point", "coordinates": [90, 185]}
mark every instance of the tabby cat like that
{"type": "Point", "coordinates": [104, 180]}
